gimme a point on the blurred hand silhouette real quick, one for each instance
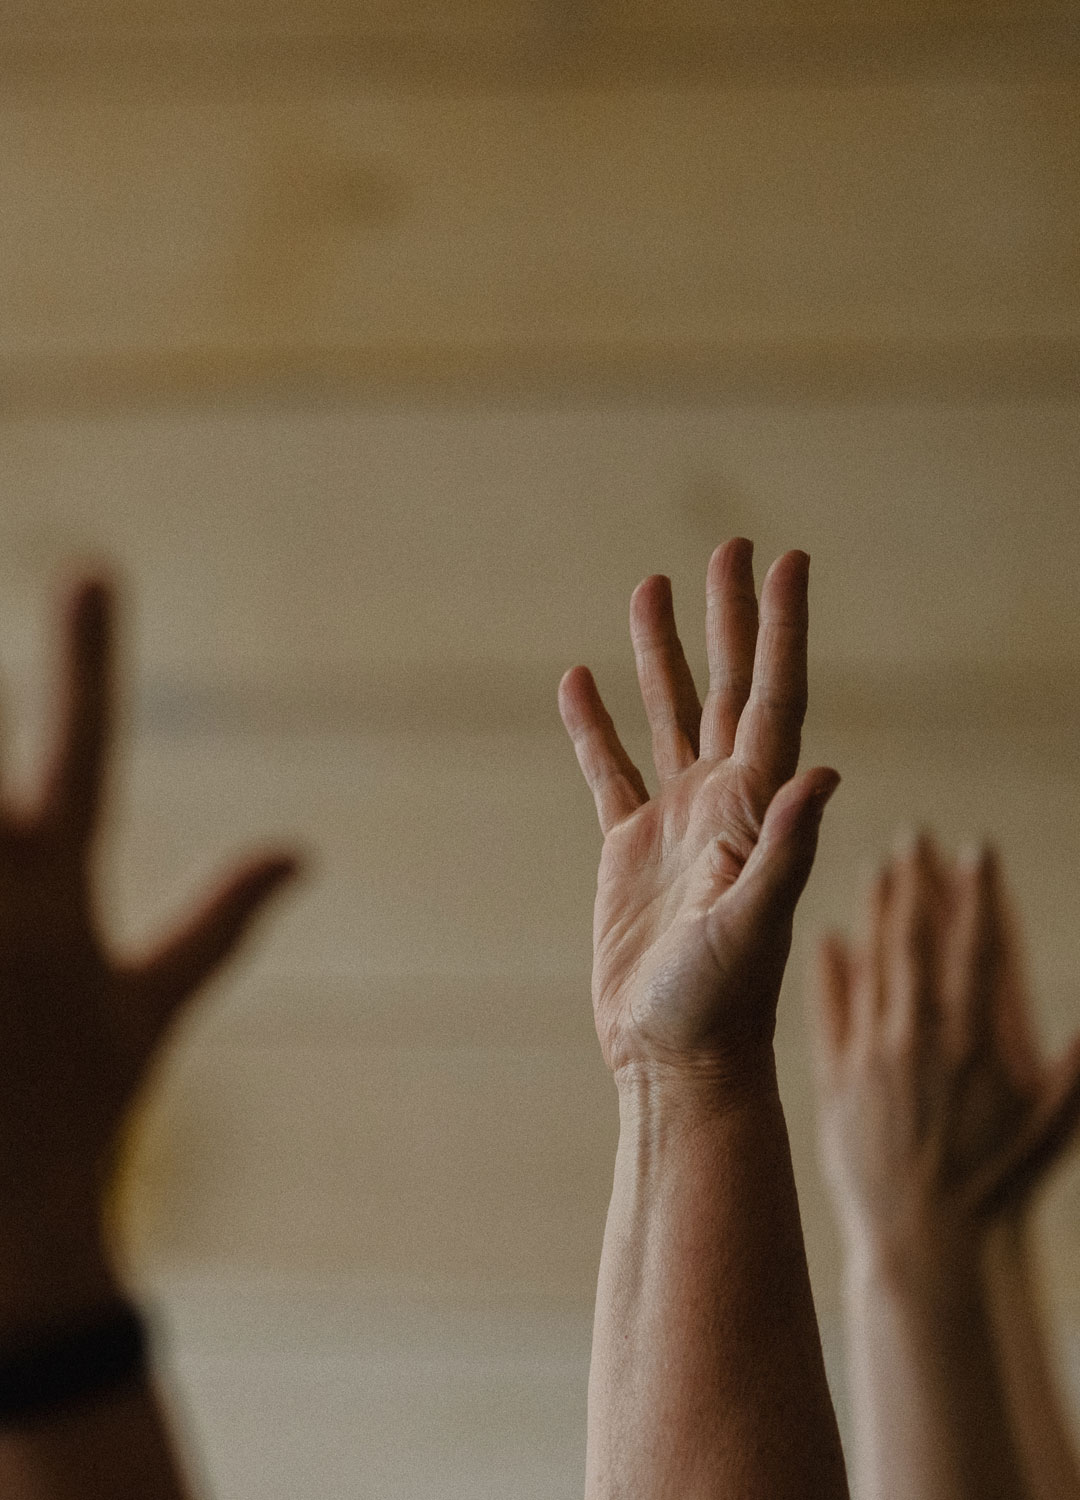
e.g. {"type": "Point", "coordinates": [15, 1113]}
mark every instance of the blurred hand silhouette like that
{"type": "Point", "coordinates": [938, 1113]}
{"type": "Point", "coordinates": [80, 1026]}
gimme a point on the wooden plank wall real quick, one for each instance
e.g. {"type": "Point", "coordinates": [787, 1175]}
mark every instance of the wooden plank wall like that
{"type": "Point", "coordinates": [384, 357]}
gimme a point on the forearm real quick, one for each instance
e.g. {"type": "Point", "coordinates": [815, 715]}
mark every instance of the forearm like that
{"type": "Point", "coordinates": [928, 1406]}
{"type": "Point", "coordinates": [111, 1443]}
{"type": "Point", "coordinates": [1046, 1448]}
{"type": "Point", "coordinates": [707, 1378]}
{"type": "Point", "coordinates": [111, 1447]}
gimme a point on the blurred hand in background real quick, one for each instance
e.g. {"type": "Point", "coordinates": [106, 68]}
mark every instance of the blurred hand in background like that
{"type": "Point", "coordinates": [938, 1120]}
{"type": "Point", "coordinates": [80, 1028]}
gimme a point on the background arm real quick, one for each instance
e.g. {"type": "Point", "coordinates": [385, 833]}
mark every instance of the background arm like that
{"type": "Point", "coordinates": [1046, 1445]}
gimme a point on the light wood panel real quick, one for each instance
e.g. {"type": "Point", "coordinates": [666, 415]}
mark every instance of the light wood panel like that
{"type": "Point", "coordinates": [118, 45]}
{"type": "Point", "coordinates": [335, 567]}
{"type": "Point", "coordinates": [431, 17]}
{"type": "Point", "coordinates": [806, 241]}
{"type": "Point", "coordinates": [293, 1390]}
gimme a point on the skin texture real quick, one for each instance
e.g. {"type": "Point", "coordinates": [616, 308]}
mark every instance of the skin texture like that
{"type": "Point", "coordinates": [938, 1120]}
{"type": "Point", "coordinates": [706, 1378]}
{"type": "Point", "coordinates": [1047, 1448]}
{"type": "Point", "coordinates": [80, 1029]}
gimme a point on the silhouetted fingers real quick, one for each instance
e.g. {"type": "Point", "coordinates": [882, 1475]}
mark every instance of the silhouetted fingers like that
{"type": "Point", "coordinates": [877, 951]}
{"type": "Point", "coordinates": [768, 736]}
{"type": "Point", "coordinates": [911, 969]}
{"type": "Point", "coordinates": [614, 780]}
{"type": "Point", "coordinates": [731, 627]}
{"type": "Point", "coordinates": [165, 981]}
{"type": "Point", "coordinates": [977, 950]}
{"type": "Point", "coordinates": [833, 995]}
{"type": "Point", "coordinates": [1013, 1019]}
{"type": "Point", "coordinates": [667, 684]}
{"type": "Point", "coordinates": [73, 792]}
{"type": "Point", "coordinates": [4, 805]}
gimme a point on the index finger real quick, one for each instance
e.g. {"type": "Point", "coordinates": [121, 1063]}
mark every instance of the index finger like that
{"type": "Point", "coordinates": [976, 948]}
{"type": "Point", "coordinates": [768, 737]}
{"type": "Point", "coordinates": [615, 782]}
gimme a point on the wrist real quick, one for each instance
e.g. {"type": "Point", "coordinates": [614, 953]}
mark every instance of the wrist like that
{"type": "Point", "coordinates": [51, 1274]}
{"type": "Point", "coordinates": [665, 1109]}
{"type": "Point", "coordinates": [1007, 1235]}
{"type": "Point", "coordinates": [695, 1087]}
{"type": "Point", "coordinates": [1007, 1253]}
{"type": "Point", "coordinates": [925, 1262]}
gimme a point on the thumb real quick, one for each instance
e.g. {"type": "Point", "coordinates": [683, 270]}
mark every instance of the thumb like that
{"type": "Point", "coordinates": [1054, 1121]}
{"type": "Point", "coordinates": [167, 979]}
{"type": "Point", "coordinates": [775, 875]}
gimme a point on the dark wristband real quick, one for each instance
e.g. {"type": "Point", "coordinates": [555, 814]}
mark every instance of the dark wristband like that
{"type": "Point", "coordinates": [67, 1364]}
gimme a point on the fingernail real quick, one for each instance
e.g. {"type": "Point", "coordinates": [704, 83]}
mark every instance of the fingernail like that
{"type": "Point", "coordinates": [824, 790]}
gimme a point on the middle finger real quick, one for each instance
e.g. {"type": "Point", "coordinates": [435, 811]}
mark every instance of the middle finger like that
{"type": "Point", "coordinates": [667, 684]}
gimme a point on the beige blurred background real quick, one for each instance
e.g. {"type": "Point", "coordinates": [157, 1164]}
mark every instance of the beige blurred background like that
{"type": "Point", "coordinates": [385, 347]}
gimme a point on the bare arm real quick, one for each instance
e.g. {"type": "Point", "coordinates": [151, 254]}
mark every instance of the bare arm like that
{"type": "Point", "coordinates": [1047, 1447]}
{"type": "Point", "coordinates": [112, 1443]}
{"type": "Point", "coordinates": [929, 1125]}
{"type": "Point", "coordinates": [78, 1033]}
{"type": "Point", "coordinates": [929, 1409]}
{"type": "Point", "coordinates": [707, 1378]}
{"type": "Point", "coordinates": [113, 1447]}
{"type": "Point", "coordinates": [1047, 1451]}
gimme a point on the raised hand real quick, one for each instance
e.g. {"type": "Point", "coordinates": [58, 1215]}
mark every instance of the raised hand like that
{"type": "Point", "coordinates": [707, 1378]}
{"type": "Point", "coordinates": [937, 1112]}
{"type": "Point", "coordinates": [698, 884]}
{"type": "Point", "coordinates": [80, 1026]}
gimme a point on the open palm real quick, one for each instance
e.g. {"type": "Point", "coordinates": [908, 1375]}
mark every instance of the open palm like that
{"type": "Point", "coordinates": [698, 885]}
{"type": "Point", "coordinates": [936, 1106]}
